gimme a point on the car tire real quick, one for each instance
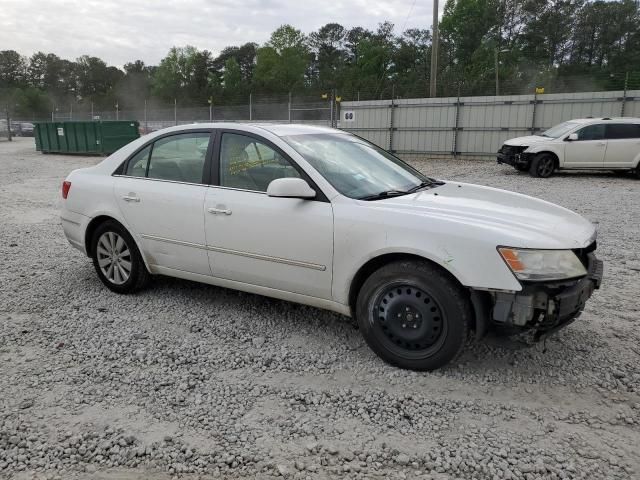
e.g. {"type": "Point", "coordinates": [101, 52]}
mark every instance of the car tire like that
{"type": "Point", "coordinates": [542, 165]}
{"type": "Point", "coordinates": [413, 315]}
{"type": "Point", "coordinates": [117, 259]}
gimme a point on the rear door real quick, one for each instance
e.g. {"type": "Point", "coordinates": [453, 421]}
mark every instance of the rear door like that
{"type": "Point", "coordinates": [589, 150]}
{"type": "Point", "coordinates": [161, 195]}
{"type": "Point", "coordinates": [623, 144]}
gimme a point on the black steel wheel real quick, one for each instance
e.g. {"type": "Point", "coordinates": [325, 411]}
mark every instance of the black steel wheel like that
{"type": "Point", "coordinates": [410, 321]}
{"type": "Point", "coordinates": [542, 165]}
{"type": "Point", "coordinates": [413, 315]}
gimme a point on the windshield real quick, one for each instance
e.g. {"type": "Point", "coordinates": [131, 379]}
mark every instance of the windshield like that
{"type": "Point", "coordinates": [559, 130]}
{"type": "Point", "coordinates": [355, 167]}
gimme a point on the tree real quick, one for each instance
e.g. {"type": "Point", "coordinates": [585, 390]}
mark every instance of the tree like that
{"type": "Point", "coordinates": [183, 74]}
{"type": "Point", "coordinates": [329, 59]}
{"type": "Point", "coordinates": [13, 69]}
{"type": "Point", "coordinates": [281, 64]}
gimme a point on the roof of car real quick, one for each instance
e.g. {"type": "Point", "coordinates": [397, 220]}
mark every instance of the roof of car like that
{"type": "Point", "coordinates": [605, 119]}
{"type": "Point", "coordinates": [279, 129]}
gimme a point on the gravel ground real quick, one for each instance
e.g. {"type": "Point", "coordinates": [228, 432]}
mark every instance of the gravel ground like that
{"type": "Point", "coordinates": [194, 381]}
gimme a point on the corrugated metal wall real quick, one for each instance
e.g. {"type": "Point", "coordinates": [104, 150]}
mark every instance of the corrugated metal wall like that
{"type": "Point", "coordinates": [474, 126]}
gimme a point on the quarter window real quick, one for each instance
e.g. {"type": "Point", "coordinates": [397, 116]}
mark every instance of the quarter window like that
{"type": "Point", "coordinates": [592, 132]}
{"type": "Point", "coordinates": [623, 130]}
{"type": "Point", "coordinates": [249, 164]}
{"type": "Point", "coordinates": [137, 165]}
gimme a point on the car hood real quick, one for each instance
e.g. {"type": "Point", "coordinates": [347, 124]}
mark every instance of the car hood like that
{"type": "Point", "coordinates": [526, 141]}
{"type": "Point", "coordinates": [511, 219]}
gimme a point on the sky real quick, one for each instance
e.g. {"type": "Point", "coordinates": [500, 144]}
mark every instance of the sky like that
{"type": "Point", "coordinates": [119, 31]}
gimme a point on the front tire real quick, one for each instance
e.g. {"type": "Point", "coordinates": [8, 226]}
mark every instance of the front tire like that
{"type": "Point", "coordinates": [413, 315]}
{"type": "Point", "coordinates": [542, 165]}
{"type": "Point", "coordinates": [117, 259]}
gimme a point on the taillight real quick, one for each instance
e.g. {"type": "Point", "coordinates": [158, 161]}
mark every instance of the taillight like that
{"type": "Point", "coordinates": [66, 186]}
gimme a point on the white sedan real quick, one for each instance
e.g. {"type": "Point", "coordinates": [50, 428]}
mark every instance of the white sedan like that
{"type": "Point", "coordinates": [324, 218]}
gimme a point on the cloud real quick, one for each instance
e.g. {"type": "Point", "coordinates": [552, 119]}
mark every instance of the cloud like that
{"type": "Point", "coordinates": [120, 31]}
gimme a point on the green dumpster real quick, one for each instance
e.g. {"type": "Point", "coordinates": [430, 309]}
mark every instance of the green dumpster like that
{"type": "Point", "coordinates": [93, 137]}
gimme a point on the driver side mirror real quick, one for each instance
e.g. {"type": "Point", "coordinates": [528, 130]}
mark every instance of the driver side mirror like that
{"type": "Point", "coordinates": [572, 137]}
{"type": "Point", "coordinates": [290, 188]}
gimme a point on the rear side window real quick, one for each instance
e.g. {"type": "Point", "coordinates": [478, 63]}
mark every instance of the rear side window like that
{"type": "Point", "coordinates": [592, 132]}
{"type": "Point", "coordinates": [179, 158]}
{"type": "Point", "coordinates": [623, 130]}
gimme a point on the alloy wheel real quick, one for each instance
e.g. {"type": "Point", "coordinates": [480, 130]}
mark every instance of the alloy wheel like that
{"type": "Point", "coordinates": [114, 258]}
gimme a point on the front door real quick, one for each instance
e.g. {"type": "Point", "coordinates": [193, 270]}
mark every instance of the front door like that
{"type": "Point", "coordinates": [161, 196]}
{"type": "Point", "coordinates": [588, 150]}
{"type": "Point", "coordinates": [280, 243]}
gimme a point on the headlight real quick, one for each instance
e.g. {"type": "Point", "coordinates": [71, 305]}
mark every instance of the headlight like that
{"type": "Point", "coordinates": [542, 264]}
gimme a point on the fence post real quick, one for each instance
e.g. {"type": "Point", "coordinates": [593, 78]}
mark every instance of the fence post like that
{"type": "Point", "coordinates": [146, 125]}
{"type": "Point", "coordinates": [175, 111]}
{"type": "Point", "coordinates": [117, 111]}
{"type": "Point", "coordinates": [533, 113]}
{"type": "Point", "coordinates": [624, 95]}
{"type": "Point", "coordinates": [457, 126]}
{"type": "Point", "coordinates": [250, 107]}
{"type": "Point", "coordinates": [8, 125]}
{"type": "Point", "coordinates": [391, 115]}
{"type": "Point", "coordinates": [331, 109]}
{"type": "Point", "coordinates": [92, 110]}
{"type": "Point", "coordinates": [71, 111]}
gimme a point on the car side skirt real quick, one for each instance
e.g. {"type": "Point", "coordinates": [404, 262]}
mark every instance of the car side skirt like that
{"type": "Point", "coordinates": [257, 289]}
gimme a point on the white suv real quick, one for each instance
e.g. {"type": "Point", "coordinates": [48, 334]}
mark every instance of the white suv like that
{"type": "Point", "coordinates": [584, 143]}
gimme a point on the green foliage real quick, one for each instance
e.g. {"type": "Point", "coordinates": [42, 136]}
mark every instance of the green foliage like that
{"type": "Point", "coordinates": [563, 45]}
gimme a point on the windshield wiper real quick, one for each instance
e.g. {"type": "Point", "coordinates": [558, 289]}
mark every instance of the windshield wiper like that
{"type": "Point", "coordinates": [424, 184]}
{"type": "Point", "coordinates": [397, 193]}
{"type": "Point", "coordinates": [385, 194]}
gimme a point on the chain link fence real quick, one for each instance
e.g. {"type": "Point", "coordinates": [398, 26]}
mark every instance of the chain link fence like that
{"type": "Point", "coordinates": [471, 126]}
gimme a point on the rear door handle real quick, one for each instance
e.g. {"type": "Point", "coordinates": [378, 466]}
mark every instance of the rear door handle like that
{"type": "Point", "coordinates": [130, 198]}
{"type": "Point", "coordinates": [216, 211]}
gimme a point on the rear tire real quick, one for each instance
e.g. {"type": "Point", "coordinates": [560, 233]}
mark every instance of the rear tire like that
{"type": "Point", "coordinates": [117, 259]}
{"type": "Point", "coordinates": [413, 315]}
{"type": "Point", "coordinates": [542, 165]}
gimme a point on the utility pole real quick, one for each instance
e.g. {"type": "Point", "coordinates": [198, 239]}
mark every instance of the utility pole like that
{"type": "Point", "coordinates": [497, 75]}
{"type": "Point", "coordinates": [435, 44]}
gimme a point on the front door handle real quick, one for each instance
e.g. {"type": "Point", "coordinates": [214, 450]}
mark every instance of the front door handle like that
{"type": "Point", "coordinates": [131, 198]}
{"type": "Point", "coordinates": [216, 211]}
{"type": "Point", "coordinates": [601, 144]}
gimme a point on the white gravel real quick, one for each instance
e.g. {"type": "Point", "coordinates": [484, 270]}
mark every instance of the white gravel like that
{"type": "Point", "coordinates": [194, 381]}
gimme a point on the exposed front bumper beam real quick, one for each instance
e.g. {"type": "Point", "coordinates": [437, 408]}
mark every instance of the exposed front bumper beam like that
{"type": "Point", "coordinates": [544, 307]}
{"type": "Point", "coordinates": [517, 159]}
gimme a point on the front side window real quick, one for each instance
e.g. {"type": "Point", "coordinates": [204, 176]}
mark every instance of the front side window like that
{"type": "Point", "coordinates": [623, 130]}
{"type": "Point", "coordinates": [249, 164]}
{"type": "Point", "coordinates": [355, 167]}
{"type": "Point", "coordinates": [592, 132]}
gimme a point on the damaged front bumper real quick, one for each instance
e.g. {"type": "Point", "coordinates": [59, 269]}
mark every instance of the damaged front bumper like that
{"type": "Point", "coordinates": [542, 308]}
{"type": "Point", "coordinates": [514, 157]}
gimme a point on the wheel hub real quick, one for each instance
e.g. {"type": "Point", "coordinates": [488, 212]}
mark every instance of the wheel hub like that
{"type": "Point", "coordinates": [408, 317]}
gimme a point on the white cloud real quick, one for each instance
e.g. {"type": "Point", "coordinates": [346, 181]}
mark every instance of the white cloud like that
{"type": "Point", "coordinates": [119, 31]}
